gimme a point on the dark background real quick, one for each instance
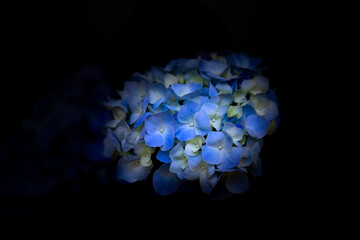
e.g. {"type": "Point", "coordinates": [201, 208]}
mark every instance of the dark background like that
{"type": "Point", "coordinates": [46, 43]}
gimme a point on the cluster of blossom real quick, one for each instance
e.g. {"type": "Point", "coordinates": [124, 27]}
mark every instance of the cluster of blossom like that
{"type": "Point", "coordinates": [203, 119]}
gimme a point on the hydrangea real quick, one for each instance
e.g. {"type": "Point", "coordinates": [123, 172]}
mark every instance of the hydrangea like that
{"type": "Point", "coordinates": [204, 119]}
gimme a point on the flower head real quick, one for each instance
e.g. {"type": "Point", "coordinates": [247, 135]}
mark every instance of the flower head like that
{"type": "Point", "coordinates": [160, 130]}
{"type": "Point", "coordinates": [204, 118]}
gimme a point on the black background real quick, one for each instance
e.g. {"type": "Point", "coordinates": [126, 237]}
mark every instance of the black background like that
{"type": "Point", "coordinates": [47, 42]}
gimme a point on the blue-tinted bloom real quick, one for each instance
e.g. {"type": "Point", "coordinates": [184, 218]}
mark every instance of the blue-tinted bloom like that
{"type": "Point", "coordinates": [215, 113]}
{"type": "Point", "coordinates": [145, 153]}
{"type": "Point", "coordinates": [116, 139]}
{"type": "Point", "coordinates": [219, 151]}
{"type": "Point", "coordinates": [132, 137]}
{"type": "Point", "coordinates": [206, 115]}
{"type": "Point", "coordinates": [180, 160]}
{"type": "Point", "coordinates": [192, 122]}
{"type": "Point", "coordinates": [236, 133]}
{"type": "Point", "coordinates": [193, 146]}
{"type": "Point", "coordinates": [160, 130]}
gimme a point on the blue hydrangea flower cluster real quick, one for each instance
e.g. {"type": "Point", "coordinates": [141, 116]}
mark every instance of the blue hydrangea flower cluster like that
{"type": "Point", "coordinates": [203, 119]}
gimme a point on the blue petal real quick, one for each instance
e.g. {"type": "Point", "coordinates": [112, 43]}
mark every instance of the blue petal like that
{"type": "Point", "coordinates": [199, 100]}
{"type": "Point", "coordinates": [155, 140]}
{"type": "Point", "coordinates": [134, 117]}
{"type": "Point", "coordinates": [248, 111]}
{"type": "Point", "coordinates": [257, 126]}
{"type": "Point", "coordinates": [211, 155]}
{"type": "Point", "coordinates": [177, 152]}
{"type": "Point", "coordinates": [209, 108]}
{"type": "Point", "coordinates": [271, 111]}
{"type": "Point", "coordinates": [141, 119]}
{"type": "Point", "coordinates": [176, 166]}
{"type": "Point", "coordinates": [141, 136]}
{"type": "Point", "coordinates": [157, 94]}
{"type": "Point", "coordinates": [185, 132]}
{"type": "Point", "coordinates": [185, 91]}
{"type": "Point", "coordinates": [187, 111]}
{"type": "Point", "coordinates": [169, 136]}
{"type": "Point", "coordinates": [237, 182]}
{"type": "Point", "coordinates": [145, 103]}
{"type": "Point", "coordinates": [165, 182]}
{"type": "Point", "coordinates": [168, 119]}
{"type": "Point", "coordinates": [153, 124]}
{"type": "Point", "coordinates": [231, 160]}
{"type": "Point", "coordinates": [215, 139]}
{"type": "Point", "coordinates": [163, 156]}
{"type": "Point", "coordinates": [112, 142]}
{"type": "Point", "coordinates": [224, 88]}
{"type": "Point", "coordinates": [212, 67]}
{"type": "Point", "coordinates": [202, 124]}
{"type": "Point", "coordinates": [194, 161]}
{"type": "Point", "coordinates": [212, 91]}
{"type": "Point", "coordinates": [129, 171]}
